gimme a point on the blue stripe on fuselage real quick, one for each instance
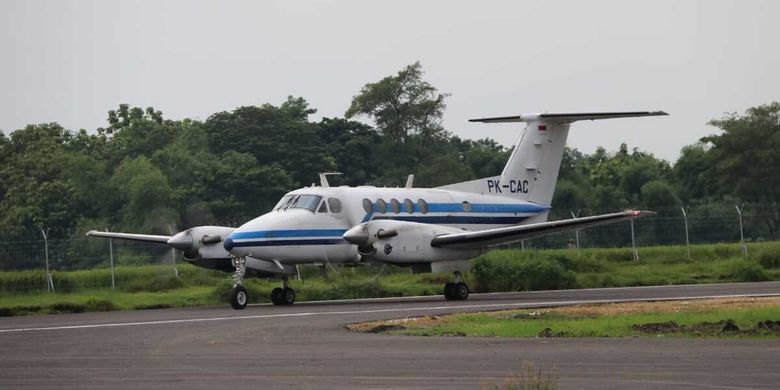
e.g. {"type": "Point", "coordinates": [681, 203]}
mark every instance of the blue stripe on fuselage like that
{"type": "Point", "coordinates": [486, 208]}
{"type": "Point", "coordinates": [288, 233]}
{"type": "Point", "coordinates": [454, 219]}
{"type": "Point", "coordinates": [319, 241]}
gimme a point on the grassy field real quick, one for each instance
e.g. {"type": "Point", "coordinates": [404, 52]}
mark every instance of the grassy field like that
{"type": "Point", "coordinates": [139, 287]}
{"type": "Point", "coordinates": [744, 317]}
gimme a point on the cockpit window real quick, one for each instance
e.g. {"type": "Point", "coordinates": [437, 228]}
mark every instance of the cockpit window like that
{"type": "Point", "coordinates": [284, 202]}
{"type": "Point", "coordinates": [335, 205]}
{"type": "Point", "coordinates": [308, 202]}
{"type": "Point", "coordinates": [323, 208]}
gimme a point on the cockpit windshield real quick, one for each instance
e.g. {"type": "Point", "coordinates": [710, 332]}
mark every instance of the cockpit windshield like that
{"type": "Point", "coordinates": [284, 202]}
{"type": "Point", "coordinates": [308, 202]}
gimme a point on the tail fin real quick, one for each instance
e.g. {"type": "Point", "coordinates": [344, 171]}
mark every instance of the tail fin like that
{"type": "Point", "coordinates": [532, 169]}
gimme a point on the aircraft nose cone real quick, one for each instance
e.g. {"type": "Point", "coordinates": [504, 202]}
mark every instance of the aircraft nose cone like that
{"type": "Point", "coordinates": [357, 235]}
{"type": "Point", "coordinates": [181, 241]}
{"type": "Point", "coordinates": [228, 243]}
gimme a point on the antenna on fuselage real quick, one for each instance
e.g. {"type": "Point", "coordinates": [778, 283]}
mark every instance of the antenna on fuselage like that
{"type": "Point", "coordinates": [324, 178]}
{"type": "Point", "coordinates": [409, 181]}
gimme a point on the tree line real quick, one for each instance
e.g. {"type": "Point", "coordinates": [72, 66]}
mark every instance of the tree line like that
{"type": "Point", "coordinates": [143, 172]}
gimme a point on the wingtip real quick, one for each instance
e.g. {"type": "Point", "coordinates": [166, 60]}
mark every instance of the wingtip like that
{"type": "Point", "coordinates": [640, 213]}
{"type": "Point", "coordinates": [91, 232]}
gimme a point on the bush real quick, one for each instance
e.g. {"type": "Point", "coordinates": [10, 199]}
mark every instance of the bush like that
{"type": "Point", "coordinates": [540, 272]}
{"type": "Point", "coordinates": [100, 305]}
{"type": "Point", "coordinates": [768, 257]}
{"type": "Point", "coordinates": [155, 284]}
{"type": "Point", "coordinates": [747, 271]}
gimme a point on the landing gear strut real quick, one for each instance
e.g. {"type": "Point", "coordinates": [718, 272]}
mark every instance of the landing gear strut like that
{"type": "Point", "coordinates": [284, 295]}
{"type": "Point", "coordinates": [238, 297]}
{"type": "Point", "coordinates": [457, 291]}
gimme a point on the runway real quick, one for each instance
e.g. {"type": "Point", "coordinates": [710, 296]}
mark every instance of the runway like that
{"type": "Point", "coordinates": [307, 346]}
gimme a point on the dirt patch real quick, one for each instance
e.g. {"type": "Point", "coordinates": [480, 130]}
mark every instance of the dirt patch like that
{"type": "Point", "coordinates": [768, 325]}
{"type": "Point", "coordinates": [384, 328]}
{"type": "Point", "coordinates": [549, 333]}
{"type": "Point", "coordinates": [397, 324]}
{"type": "Point", "coordinates": [723, 327]}
{"type": "Point", "coordinates": [657, 327]}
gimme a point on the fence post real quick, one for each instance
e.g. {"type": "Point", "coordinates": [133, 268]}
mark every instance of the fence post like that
{"type": "Point", "coordinates": [576, 232]}
{"type": "Point", "coordinates": [687, 241]}
{"type": "Point", "coordinates": [111, 257]}
{"type": "Point", "coordinates": [49, 280]}
{"type": "Point", "coordinates": [741, 232]}
{"type": "Point", "coordinates": [633, 241]}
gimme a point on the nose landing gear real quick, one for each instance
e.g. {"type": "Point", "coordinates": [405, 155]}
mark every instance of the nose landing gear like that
{"type": "Point", "coordinates": [457, 291]}
{"type": "Point", "coordinates": [238, 297]}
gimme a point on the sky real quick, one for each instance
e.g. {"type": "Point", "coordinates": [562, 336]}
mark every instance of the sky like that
{"type": "Point", "coordinates": [72, 61]}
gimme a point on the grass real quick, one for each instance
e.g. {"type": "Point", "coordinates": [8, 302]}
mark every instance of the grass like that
{"type": "Point", "coordinates": [696, 318]}
{"type": "Point", "coordinates": [24, 292]}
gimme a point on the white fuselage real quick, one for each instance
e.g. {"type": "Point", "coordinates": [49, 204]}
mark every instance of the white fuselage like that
{"type": "Point", "coordinates": [302, 230]}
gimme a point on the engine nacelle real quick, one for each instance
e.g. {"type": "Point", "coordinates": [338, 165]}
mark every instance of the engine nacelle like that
{"type": "Point", "coordinates": [403, 242]}
{"type": "Point", "coordinates": [202, 242]}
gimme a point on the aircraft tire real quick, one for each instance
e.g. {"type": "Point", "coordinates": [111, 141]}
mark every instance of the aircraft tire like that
{"type": "Point", "coordinates": [288, 296]}
{"type": "Point", "coordinates": [461, 291]}
{"type": "Point", "coordinates": [238, 297]}
{"type": "Point", "coordinates": [276, 296]}
{"type": "Point", "coordinates": [449, 291]}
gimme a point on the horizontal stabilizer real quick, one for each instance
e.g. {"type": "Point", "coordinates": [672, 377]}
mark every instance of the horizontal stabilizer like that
{"type": "Point", "coordinates": [506, 235]}
{"type": "Point", "coordinates": [567, 117]}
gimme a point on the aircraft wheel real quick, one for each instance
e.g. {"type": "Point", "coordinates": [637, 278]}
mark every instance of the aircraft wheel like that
{"type": "Point", "coordinates": [288, 296]}
{"type": "Point", "coordinates": [238, 297]}
{"type": "Point", "coordinates": [277, 296]}
{"type": "Point", "coordinates": [449, 291]}
{"type": "Point", "coordinates": [461, 291]}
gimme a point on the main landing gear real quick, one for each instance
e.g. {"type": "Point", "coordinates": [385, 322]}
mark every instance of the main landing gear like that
{"type": "Point", "coordinates": [284, 295]}
{"type": "Point", "coordinates": [457, 291]}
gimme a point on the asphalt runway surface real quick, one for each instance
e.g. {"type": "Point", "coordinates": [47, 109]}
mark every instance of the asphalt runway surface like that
{"type": "Point", "coordinates": [307, 346]}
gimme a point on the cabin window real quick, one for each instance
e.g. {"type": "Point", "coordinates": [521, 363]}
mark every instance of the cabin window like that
{"type": "Point", "coordinates": [409, 206]}
{"type": "Point", "coordinates": [335, 205]}
{"type": "Point", "coordinates": [368, 206]}
{"type": "Point", "coordinates": [467, 207]}
{"type": "Point", "coordinates": [395, 206]}
{"type": "Point", "coordinates": [423, 205]}
{"type": "Point", "coordinates": [308, 202]}
{"type": "Point", "coordinates": [381, 205]}
{"type": "Point", "coordinates": [323, 208]}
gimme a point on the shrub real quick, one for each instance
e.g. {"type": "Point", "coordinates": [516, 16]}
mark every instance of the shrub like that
{"type": "Point", "coordinates": [155, 284]}
{"type": "Point", "coordinates": [768, 257]}
{"type": "Point", "coordinates": [100, 305]}
{"type": "Point", "coordinates": [748, 271]}
{"type": "Point", "coordinates": [541, 272]}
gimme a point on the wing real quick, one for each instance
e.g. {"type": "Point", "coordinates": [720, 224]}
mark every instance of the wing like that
{"type": "Point", "coordinates": [130, 236]}
{"type": "Point", "coordinates": [491, 237]}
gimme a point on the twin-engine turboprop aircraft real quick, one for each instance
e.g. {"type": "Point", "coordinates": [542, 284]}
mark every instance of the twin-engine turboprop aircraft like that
{"type": "Point", "coordinates": [429, 229]}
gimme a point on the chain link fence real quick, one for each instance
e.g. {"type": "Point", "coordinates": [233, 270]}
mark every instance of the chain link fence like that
{"type": "Point", "coordinates": [30, 262]}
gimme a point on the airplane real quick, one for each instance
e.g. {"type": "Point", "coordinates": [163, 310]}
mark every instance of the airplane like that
{"type": "Point", "coordinates": [427, 229]}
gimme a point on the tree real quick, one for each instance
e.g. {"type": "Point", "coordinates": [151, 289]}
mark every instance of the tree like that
{"type": "Point", "coordinates": [401, 105]}
{"type": "Point", "coordinates": [746, 156]}
{"type": "Point", "coordinates": [273, 135]}
{"type": "Point", "coordinates": [693, 173]}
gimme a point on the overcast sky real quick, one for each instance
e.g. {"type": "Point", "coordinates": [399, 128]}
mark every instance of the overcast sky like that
{"type": "Point", "coordinates": [72, 61]}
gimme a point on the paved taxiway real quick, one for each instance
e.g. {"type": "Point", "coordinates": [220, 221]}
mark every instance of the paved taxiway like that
{"type": "Point", "coordinates": [307, 346]}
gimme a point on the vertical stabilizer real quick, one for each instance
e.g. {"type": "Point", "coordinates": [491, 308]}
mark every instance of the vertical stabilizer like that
{"type": "Point", "coordinates": [532, 169]}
